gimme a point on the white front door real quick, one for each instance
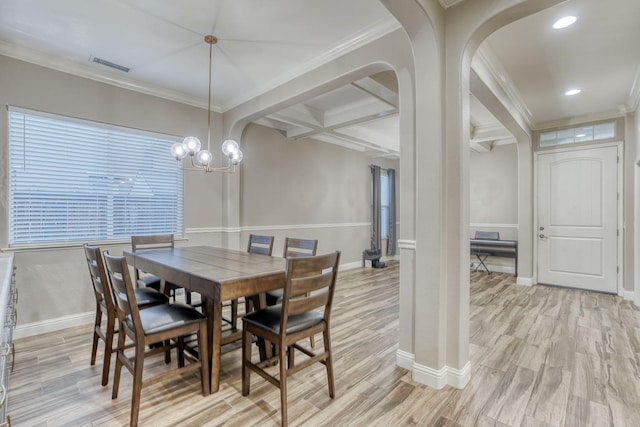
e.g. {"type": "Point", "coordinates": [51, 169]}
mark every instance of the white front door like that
{"type": "Point", "coordinates": [578, 218]}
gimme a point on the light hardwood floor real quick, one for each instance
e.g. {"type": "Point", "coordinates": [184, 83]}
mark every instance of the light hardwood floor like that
{"type": "Point", "coordinates": [540, 356]}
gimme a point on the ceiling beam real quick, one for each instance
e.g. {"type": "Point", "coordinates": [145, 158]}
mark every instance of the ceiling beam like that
{"type": "Point", "coordinates": [378, 90]}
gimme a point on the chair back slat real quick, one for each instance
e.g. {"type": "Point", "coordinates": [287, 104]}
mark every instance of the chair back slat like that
{"type": "Point", "coordinates": [98, 276]}
{"type": "Point", "coordinates": [158, 241]}
{"type": "Point", "coordinates": [122, 289]}
{"type": "Point", "coordinates": [152, 242]}
{"type": "Point", "coordinates": [308, 283]}
{"type": "Point", "coordinates": [308, 303]}
{"type": "Point", "coordinates": [294, 248]}
{"type": "Point", "coordinates": [262, 245]}
{"type": "Point", "coordinates": [315, 274]}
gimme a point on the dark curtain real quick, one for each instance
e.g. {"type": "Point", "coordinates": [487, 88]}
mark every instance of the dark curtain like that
{"type": "Point", "coordinates": [391, 238]}
{"type": "Point", "coordinates": [375, 208]}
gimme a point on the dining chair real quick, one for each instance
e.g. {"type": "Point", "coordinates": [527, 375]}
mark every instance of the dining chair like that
{"type": "Point", "coordinates": [305, 310]}
{"type": "Point", "coordinates": [148, 280]}
{"type": "Point", "coordinates": [293, 248]}
{"type": "Point", "coordinates": [154, 327]}
{"type": "Point", "coordinates": [145, 297]}
{"type": "Point", "coordinates": [262, 245]}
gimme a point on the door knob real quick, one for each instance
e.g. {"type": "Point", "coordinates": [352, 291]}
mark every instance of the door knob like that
{"type": "Point", "coordinates": [542, 236]}
{"type": "Point", "coordinates": [541, 228]}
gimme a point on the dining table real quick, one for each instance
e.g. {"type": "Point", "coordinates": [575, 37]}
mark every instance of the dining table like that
{"type": "Point", "coordinates": [218, 275]}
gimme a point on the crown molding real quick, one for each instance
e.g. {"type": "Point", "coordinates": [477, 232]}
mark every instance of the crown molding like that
{"type": "Point", "coordinates": [579, 120]}
{"type": "Point", "coordinates": [369, 34]}
{"type": "Point", "coordinates": [486, 60]}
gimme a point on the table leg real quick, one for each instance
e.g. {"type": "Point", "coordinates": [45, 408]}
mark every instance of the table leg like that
{"type": "Point", "coordinates": [216, 330]}
{"type": "Point", "coordinates": [214, 326]}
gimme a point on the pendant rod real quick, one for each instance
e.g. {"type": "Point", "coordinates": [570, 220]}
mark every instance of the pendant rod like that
{"type": "Point", "coordinates": [211, 40]}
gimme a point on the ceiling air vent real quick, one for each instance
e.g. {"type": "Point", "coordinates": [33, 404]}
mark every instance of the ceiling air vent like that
{"type": "Point", "coordinates": [109, 64]}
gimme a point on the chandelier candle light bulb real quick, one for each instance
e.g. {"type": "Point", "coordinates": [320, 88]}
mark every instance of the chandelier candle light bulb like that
{"type": "Point", "coordinates": [191, 145]}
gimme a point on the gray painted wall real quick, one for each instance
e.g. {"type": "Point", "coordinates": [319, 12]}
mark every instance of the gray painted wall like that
{"type": "Point", "coordinates": [494, 190]}
{"type": "Point", "coordinates": [306, 189]}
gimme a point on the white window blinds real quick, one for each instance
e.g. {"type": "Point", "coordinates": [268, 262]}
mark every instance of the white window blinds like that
{"type": "Point", "coordinates": [73, 180]}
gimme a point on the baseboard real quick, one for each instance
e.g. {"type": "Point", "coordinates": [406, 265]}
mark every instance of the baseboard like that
{"type": "Point", "coordinates": [404, 359]}
{"type": "Point", "coordinates": [438, 378]}
{"type": "Point", "coordinates": [629, 295]}
{"type": "Point", "coordinates": [457, 378]}
{"type": "Point", "coordinates": [350, 266]}
{"type": "Point", "coordinates": [524, 281]}
{"type": "Point", "coordinates": [52, 325]}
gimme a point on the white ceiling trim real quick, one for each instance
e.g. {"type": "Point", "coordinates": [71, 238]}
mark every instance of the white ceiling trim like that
{"type": "Point", "coordinates": [579, 120]}
{"type": "Point", "coordinates": [489, 133]}
{"type": "Point", "coordinates": [486, 60]}
{"type": "Point", "coordinates": [371, 33]}
{"type": "Point", "coordinates": [358, 141]}
{"type": "Point", "coordinates": [379, 91]}
{"type": "Point", "coordinates": [448, 3]}
{"type": "Point", "coordinates": [332, 139]}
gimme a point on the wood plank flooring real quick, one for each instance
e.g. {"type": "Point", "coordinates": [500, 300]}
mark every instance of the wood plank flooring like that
{"type": "Point", "coordinates": [541, 356]}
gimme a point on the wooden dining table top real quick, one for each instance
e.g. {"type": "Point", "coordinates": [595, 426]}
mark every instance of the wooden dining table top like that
{"type": "Point", "coordinates": [217, 273]}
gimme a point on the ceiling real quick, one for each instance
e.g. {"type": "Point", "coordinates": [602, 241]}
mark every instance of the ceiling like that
{"type": "Point", "coordinates": [263, 44]}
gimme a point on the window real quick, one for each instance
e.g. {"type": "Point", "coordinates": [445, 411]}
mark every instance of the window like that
{"type": "Point", "coordinates": [384, 205]}
{"type": "Point", "coordinates": [73, 180]}
{"type": "Point", "coordinates": [578, 134]}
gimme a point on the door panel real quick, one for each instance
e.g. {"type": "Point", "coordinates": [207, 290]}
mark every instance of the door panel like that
{"type": "Point", "coordinates": [578, 218]}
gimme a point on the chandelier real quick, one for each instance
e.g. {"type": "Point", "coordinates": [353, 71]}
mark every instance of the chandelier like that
{"type": "Point", "coordinates": [200, 158]}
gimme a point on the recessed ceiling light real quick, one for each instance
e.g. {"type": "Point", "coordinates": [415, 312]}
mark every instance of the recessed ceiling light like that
{"type": "Point", "coordinates": [572, 92]}
{"type": "Point", "coordinates": [564, 22]}
{"type": "Point", "coordinates": [581, 135]}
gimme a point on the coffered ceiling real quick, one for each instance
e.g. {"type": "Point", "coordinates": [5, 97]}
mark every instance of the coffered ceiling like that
{"type": "Point", "coordinates": [263, 44]}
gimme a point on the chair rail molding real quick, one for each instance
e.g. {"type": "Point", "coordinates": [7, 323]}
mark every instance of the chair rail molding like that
{"type": "Point", "coordinates": [407, 244]}
{"type": "Point", "coordinates": [273, 227]}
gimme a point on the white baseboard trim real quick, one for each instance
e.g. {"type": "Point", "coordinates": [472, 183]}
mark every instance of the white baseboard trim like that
{"type": "Point", "coordinates": [350, 266]}
{"type": "Point", "coordinates": [524, 281]}
{"type": "Point", "coordinates": [436, 378]}
{"type": "Point", "coordinates": [404, 359]}
{"type": "Point", "coordinates": [459, 378]}
{"type": "Point", "coordinates": [52, 325]}
{"type": "Point", "coordinates": [629, 295]}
